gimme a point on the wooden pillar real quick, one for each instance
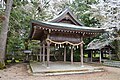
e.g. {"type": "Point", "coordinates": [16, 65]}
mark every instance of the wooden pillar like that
{"type": "Point", "coordinates": [43, 53]}
{"type": "Point", "coordinates": [48, 53]}
{"type": "Point", "coordinates": [109, 54]}
{"type": "Point", "coordinates": [40, 53]}
{"type": "Point", "coordinates": [105, 55]}
{"type": "Point", "coordinates": [27, 59]}
{"type": "Point", "coordinates": [102, 54]}
{"type": "Point", "coordinates": [91, 57]}
{"type": "Point", "coordinates": [72, 55]}
{"type": "Point", "coordinates": [32, 56]}
{"type": "Point", "coordinates": [81, 50]}
{"type": "Point", "coordinates": [100, 57]}
{"type": "Point", "coordinates": [37, 56]}
{"type": "Point", "coordinates": [65, 54]}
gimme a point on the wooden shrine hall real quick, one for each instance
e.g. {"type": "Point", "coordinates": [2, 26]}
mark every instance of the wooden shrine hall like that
{"type": "Point", "coordinates": [63, 30]}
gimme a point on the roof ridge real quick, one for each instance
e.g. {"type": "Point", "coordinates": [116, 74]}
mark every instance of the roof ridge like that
{"type": "Point", "coordinates": [64, 12]}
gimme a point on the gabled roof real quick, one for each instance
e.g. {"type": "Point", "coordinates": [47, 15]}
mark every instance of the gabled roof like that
{"type": "Point", "coordinates": [98, 44]}
{"type": "Point", "coordinates": [67, 12]}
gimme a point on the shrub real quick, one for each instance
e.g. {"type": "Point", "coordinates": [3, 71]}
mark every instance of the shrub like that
{"type": "Point", "coordinates": [2, 65]}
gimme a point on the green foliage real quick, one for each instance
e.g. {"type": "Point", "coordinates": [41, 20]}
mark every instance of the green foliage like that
{"type": "Point", "coordinates": [80, 7]}
{"type": "Point", "coordinates": [15, 57]}
{"type": "Point", "coordinates": [2, 65]}
{"type": "Point", "coordinates": [21, 14]}
{"type": "Point", "coordinates": [88, 21]}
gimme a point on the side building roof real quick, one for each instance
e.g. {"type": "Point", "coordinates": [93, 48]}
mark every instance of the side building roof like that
{"type": "Point", "coordinates": [98, 44]}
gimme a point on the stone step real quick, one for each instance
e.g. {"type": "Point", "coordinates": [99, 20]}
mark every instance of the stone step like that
{"type": "Point", "coordinates": [66, 72]}
{"type": "Point", "coordinates": [112, 63]}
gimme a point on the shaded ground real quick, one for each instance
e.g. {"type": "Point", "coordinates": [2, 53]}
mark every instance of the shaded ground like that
{"type": "Point", "coordinates": [20, 72]}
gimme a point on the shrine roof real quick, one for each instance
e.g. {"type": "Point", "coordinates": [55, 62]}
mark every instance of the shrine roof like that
{"type": "Point", "coordinates": [67, 26]}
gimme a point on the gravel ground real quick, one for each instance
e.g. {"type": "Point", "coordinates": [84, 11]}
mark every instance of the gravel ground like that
{"type": "Point", "coordinates": [20, 72]}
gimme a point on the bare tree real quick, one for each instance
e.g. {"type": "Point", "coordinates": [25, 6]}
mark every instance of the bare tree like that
{"type": "Point", "coordinates": [4, 31]}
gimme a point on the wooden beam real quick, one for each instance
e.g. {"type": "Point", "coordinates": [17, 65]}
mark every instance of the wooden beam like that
{"type": "Point", "coordinates": [72, 55]}
{"type": "Point", "coordinates": [81, 50]}
{"type": "Point", "coordinates": [65, 54]}
{"type": "Point", "coordinates": [43, 53]}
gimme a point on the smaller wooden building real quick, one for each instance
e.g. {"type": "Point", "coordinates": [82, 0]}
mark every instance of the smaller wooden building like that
{"type": "Point", "coordinates": [64, 30]}
{"type": "Point", "coordinates": [102, 47]}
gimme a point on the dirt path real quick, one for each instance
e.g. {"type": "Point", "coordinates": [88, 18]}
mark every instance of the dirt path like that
{"type": "Point", "coordinates": [19, 72]}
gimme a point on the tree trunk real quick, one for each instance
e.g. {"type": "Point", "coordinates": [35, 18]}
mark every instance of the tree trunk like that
{"type": "Point", "coordinates": [4, 31]}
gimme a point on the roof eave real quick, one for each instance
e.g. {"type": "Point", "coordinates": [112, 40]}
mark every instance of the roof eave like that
{"type": "Point", "coordinates": [52, 26]}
